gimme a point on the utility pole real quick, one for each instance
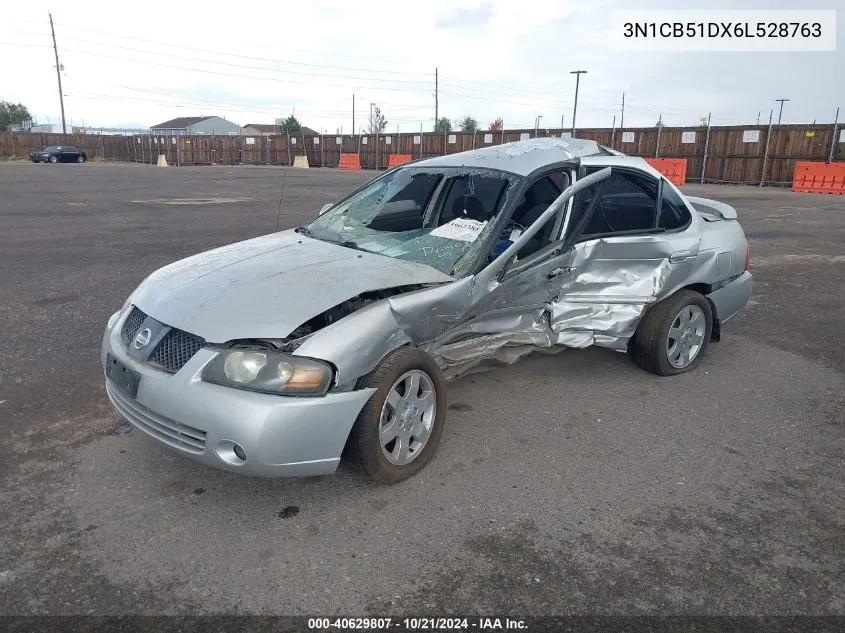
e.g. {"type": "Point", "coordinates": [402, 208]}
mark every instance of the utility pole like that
{"type": "Point", "coordinates": [353, 114]}
{"type": "Point", "coordinates": [758, 117]}
{"type": "Point", "coordinates": [780, 113]}
{"type": "Point", "coordinates": [766, 152]}
{"type": "Point", "coordinates": [613, 132]}
{"type": "Point", "coordinates": [436, 98]}
{"type": "Point", "coordinates": [622, 120]}
{"type": "Point", "coordinates": [577, 74]}
{"type": "Point", "coordinates": [58, 74]}
{"type": "Point", "coordinates": [537, 124]}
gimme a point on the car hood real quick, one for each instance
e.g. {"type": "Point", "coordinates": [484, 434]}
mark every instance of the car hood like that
{"type": "Point", "coordinates": [268, 286]}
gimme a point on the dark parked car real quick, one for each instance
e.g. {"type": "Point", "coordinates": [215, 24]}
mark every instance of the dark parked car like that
{"type": "Point", "coordinates": [58, 154]}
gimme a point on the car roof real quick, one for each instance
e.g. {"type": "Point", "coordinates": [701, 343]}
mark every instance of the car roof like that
{"type": "Point", "coordinates": [522, 157]}
{"type": "Point", "coordinates": [620, 160]}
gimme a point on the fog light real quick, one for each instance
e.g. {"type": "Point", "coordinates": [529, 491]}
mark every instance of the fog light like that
{"type": "Point", "coordinates": [231, 452]}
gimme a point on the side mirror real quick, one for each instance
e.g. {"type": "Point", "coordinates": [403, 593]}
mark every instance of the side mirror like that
{"type": "Point", "coordinates": [325, 208]}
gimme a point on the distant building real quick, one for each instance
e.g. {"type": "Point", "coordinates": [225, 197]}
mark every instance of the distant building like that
{"type": "Point", "coordinates": [193, 125]}
{"type": "Point", "coordinates": [46, 128]}
{"type": "Point", "coordinates": [261, 129]}
{"type": "Point", "coordinates": [269, 129]}
{"type": "Point", "coordinates": [24, 126]}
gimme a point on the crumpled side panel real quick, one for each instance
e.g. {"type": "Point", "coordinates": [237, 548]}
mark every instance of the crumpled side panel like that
{"type": "Point", "coordinates": [585, 324]}
{"type": "Point", "coordinates": [599, 299]}
{"type": "Point", "coordinates": [358, 342]}
{"type": "Point", "coordinates": [605, 298]}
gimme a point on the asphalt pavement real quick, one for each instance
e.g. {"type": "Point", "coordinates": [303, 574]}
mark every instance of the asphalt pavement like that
{"type": "Point", "coordinates": [569, 484]}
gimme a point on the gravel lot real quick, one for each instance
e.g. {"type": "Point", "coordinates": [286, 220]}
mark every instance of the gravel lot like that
{"type": "Point", "coordinates": [575, 484]}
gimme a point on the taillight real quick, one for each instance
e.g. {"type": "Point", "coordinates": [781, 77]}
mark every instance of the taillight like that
{"type": "Point", "coordinates": [747, 258]}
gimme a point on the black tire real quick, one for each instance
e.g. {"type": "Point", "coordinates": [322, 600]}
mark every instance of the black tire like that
{"type": "Point", "coordinates": [363, 451]}
{"type": "Point", "coordinates": [53, 159]}
{"type": "Point", "coordinates": [80, 159]}
{"type": "Point", "coordinates": [649, 347]}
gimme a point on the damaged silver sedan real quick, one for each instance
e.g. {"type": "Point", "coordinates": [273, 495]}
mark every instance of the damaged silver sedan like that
{"type": "Point", "coordinates": [280, 355]}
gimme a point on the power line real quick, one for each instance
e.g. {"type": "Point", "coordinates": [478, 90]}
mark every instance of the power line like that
{"type": "Point", "coordinates": [518, 91]}
{"type": "Point", "coordinates": [502, 94]}
{"type": "Point", "coordinates": [242, 56]}
{"type": "Point", "coordinates": [397, 107]}
{"type": "Point", "coordinates": [225, 74]}
{"type": "Point", "coordinates": [187, 102]}
{"type": "Point", "coordinates": [264, 68]}
{"type": "Point", "coordinates": [520, 82]}
{"type": "Point", "coordinates": [536, 103]}
{"type": "Point", "coordinates": [247, 66]}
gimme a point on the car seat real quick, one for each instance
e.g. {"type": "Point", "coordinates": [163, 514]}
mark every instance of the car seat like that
{"type": "Point", "coordinates": [469, 207]}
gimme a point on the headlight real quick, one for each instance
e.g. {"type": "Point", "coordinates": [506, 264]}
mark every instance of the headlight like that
{"type": "Point", "coordinates": [269, 372]}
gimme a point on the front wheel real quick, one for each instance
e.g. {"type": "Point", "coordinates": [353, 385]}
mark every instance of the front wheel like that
{"type": "Point", "coordinates": [80, 159]}
{"type": "Point", "coordinates": [54, 159]}
{"type": "Point", "coordinates": [398, 430]}
{"type": "Point", "coordinates": [673, 335]}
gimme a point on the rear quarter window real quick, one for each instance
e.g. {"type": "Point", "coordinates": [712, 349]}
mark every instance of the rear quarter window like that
{"type": "Point", "coordinates": [674, 214]}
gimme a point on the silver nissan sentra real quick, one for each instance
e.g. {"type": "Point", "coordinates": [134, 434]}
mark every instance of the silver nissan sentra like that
{"type": "Point", "coordinates": [280, 355]}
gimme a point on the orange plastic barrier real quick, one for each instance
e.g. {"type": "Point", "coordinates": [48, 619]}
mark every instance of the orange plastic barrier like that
{"type": "Point", "coordinates": [395, 160]}
{"type": "Point", "coordinates": [351, 162]}
{"type": "Point", "coordinates": [675, 169]}
{"type": "Point", "coordinates": [819, 178]}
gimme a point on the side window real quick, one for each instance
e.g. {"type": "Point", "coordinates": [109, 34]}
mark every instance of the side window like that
{"type": "Point", "coordinates": [531, 206]}
{"type": "Point", "coordinates": [627, 203]}
{"type": "Point", "coordinates": [673, 212]}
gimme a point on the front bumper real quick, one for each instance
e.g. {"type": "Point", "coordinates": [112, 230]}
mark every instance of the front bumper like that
{"type": "Point", "coordinates": [282, 436]}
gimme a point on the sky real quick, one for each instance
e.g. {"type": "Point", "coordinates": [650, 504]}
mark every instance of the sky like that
{"type": "Point", "coordinates": [136, 65]}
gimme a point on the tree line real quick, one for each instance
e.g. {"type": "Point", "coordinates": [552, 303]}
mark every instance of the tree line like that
{"type": "Point", "coordinates": [13, 114]}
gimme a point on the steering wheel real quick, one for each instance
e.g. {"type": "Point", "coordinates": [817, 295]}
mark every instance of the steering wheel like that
{"type": "Point", "coordinates": [509, 228]}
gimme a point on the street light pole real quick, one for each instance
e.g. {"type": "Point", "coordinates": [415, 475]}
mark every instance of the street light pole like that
{"type": "Point", "coordinates": [780, 113]}
{"type": "Point", "coordinates": [537, 125]}
{"type": "Point", "coordinates": [577, 74]}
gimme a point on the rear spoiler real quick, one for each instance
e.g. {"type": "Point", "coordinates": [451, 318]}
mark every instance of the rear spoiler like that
{"type": "Point", "coordinates": [725, 211]}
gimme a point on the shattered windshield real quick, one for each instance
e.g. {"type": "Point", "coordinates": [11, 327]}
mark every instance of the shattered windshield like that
{"type": "Point", "coordinates": [436, 216]}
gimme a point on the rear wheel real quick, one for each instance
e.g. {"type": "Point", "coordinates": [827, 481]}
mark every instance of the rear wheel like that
{"type": "Point", "coordinates": [398, 430]}
{"type": "Point", "coordinates": [54, 159]}
{"type": "Point", "coordinates": [80, 159]}
{"type": "Point", "coordinates": [673, 335]}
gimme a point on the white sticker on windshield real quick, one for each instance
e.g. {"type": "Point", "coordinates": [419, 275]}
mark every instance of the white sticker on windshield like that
{"type": "Point", "coordinates": [461, 229]}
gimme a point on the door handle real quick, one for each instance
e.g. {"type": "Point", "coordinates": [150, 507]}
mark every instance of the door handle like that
{"type": "Point", "coordinates": [679, 257]}
{"type": "Point", "coordinates": [554, 272]}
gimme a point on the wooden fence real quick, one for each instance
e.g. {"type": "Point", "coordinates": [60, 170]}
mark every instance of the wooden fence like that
{"type": "Point", "coordinates": [736, 154]}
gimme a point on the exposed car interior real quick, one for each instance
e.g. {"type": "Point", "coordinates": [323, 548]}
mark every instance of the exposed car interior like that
{"type": "Point", "coordinates": [531, 206]}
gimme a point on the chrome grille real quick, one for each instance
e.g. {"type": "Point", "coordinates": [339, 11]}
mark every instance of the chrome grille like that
{"type": "Point", "coordinates": [132, 324]}
{"type": "Point", "coordinates": [171, 432]}
{"type": "Point", "coordinates": [174, 350]}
